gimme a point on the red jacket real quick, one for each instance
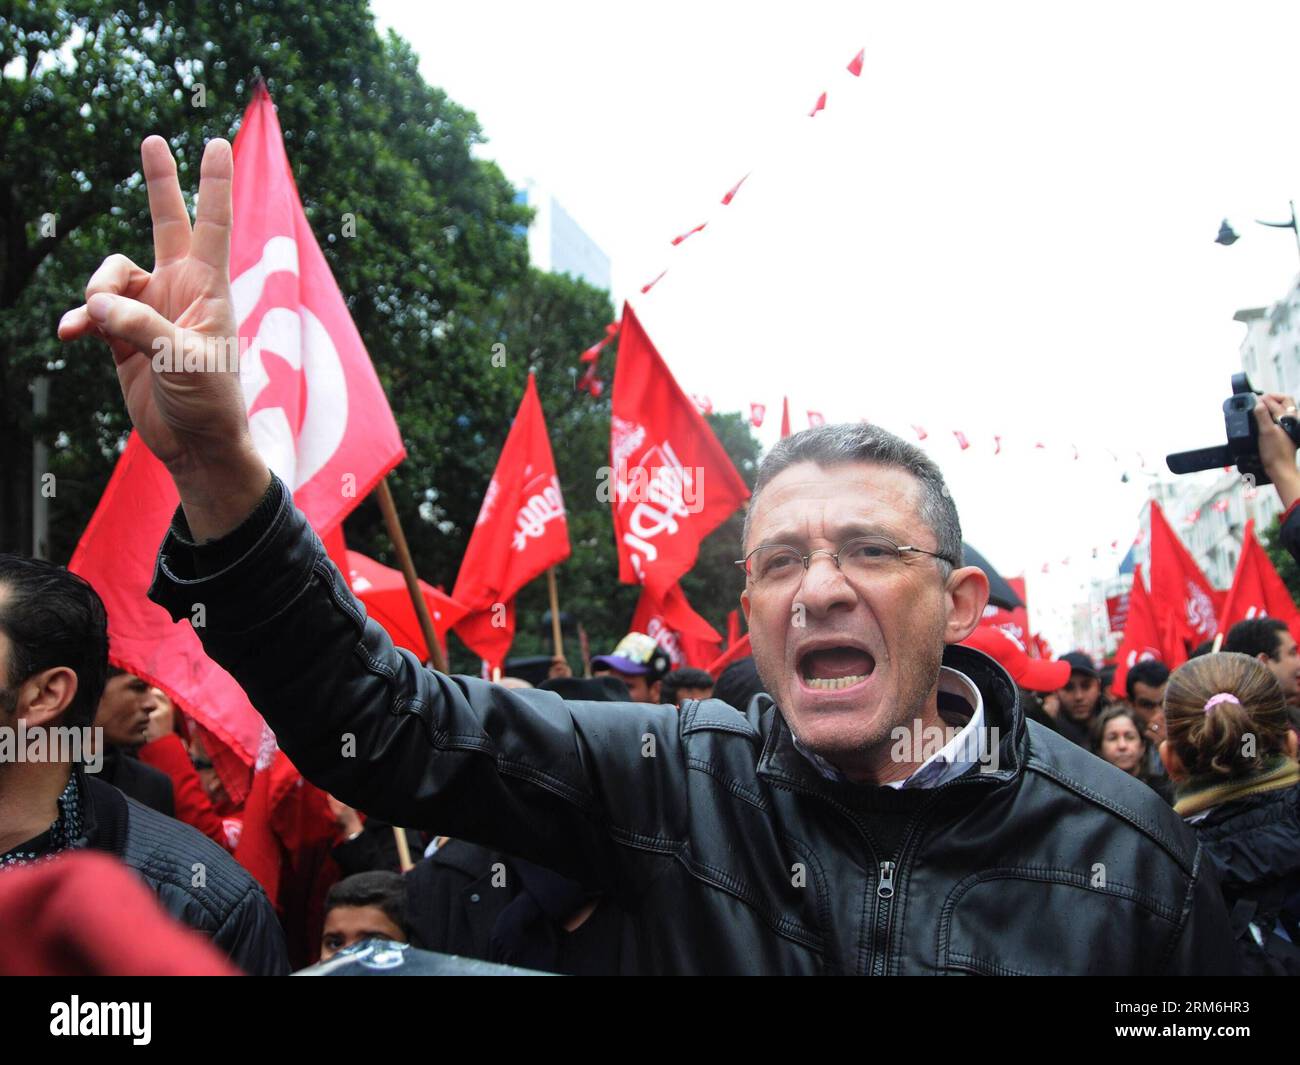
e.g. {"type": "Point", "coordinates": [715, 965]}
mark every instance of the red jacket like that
{"type": "Point", "coordinates": [192, 803]}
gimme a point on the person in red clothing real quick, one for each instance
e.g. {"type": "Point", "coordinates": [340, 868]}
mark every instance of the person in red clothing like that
{"type": "Point", "coordinates": [165, 750]}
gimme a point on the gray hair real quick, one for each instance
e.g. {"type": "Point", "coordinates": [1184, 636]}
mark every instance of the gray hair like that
{"type": "Point", "coordinates": [833, 445]}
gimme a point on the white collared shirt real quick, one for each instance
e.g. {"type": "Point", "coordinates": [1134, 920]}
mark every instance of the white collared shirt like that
{"type": "Point", "coordinates": [949, 762]}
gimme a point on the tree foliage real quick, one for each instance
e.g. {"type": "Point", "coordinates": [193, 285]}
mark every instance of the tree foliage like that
{"type": "Point", "coordinates": [1271, 540]}
{"type": "Point", "coordinates": [436, 274]}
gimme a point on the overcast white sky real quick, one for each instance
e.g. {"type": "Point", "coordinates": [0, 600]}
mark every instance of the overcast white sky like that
{"type": "Point", "coordinates": [1004, 226]}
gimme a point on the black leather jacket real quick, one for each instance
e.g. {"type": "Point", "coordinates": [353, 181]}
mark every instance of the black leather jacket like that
{"type": "Point", "coordinates": [728, 851]}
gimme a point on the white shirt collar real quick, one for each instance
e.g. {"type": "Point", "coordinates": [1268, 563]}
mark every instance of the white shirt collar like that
{"type": "Point", "coordinates": [954, 758]}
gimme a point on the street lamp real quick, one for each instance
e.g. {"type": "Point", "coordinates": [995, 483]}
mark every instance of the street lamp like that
{"type": "Point", "coordinates": [1229, 236]}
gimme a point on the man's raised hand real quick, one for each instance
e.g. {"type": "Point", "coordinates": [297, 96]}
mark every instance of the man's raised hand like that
{"type": "Point", "coordinates": [181, 315]}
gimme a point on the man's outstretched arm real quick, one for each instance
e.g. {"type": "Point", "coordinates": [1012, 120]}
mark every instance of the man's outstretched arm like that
{"type": "Point", "coordinates": [583, 788]}
{"type": "Point", "coordinates": [565, 785]}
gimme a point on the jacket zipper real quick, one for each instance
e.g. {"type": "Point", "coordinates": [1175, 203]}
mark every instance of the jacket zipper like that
{"type": "Point", "coordinates": [885, 885]}
{"type": "Point", "coordinates": [887, 871]}
{"type": "Point", "coordinates": [884, 904]}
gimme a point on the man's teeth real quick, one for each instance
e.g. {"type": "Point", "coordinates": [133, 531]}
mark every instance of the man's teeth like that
{"type": "Point", "coordinates": [831, 684]}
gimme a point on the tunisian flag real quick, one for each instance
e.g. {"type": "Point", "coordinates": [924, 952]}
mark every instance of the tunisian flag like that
{"type": "Point", "coordinates": [674, 625]}
{"type": "Point", "coordinates": [520, 531]}
{"type": "Point", "coordinates": [318, 417]}
{"type": "Point", "coordinates": [1257, 590]}
{"type": "Point", "coordinates": [1147, 634]}
{"type": "Point", "coordinates": [1178, 585]}
{"type": "Point", "coordinates": [673, 483]}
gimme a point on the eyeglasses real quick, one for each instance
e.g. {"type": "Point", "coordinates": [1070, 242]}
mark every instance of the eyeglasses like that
{"type": "Point", "coordinates": [862, 557]}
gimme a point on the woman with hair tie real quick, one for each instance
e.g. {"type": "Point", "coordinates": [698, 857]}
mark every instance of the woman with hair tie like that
{"type": "Point", "coordinates": [1232, 758]}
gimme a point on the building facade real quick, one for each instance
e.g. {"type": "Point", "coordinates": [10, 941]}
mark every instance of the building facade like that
{"type": "Point", "coordinates": [557, 244]}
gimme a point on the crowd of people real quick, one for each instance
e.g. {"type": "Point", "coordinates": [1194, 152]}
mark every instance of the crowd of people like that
{"type": "Point", "coordinates": [885, 786]}
{"type": "Point", "coordinates": [1215, 740]}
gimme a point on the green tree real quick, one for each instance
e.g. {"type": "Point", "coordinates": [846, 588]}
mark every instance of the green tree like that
{"type": "Point", "coordinates": [433, 268]}
{"type": "Point", "coordinates": [438, 232]}
{"type": "Point", "coordinates": [1271, 540]}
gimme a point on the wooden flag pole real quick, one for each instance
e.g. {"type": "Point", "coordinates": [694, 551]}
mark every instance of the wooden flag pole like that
{"type": "Point", "coordinates": [385, 497]}
{"type": "Point", "coordinates": [556, 635]}
{"type": "Point", "coordinates": [403, 850]}
{"type": "Point", "coordinates": [1218, 642]}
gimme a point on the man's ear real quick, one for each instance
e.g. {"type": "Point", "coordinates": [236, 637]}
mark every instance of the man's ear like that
{"type": "Point", "coordinates": [744, 604]}
{"type": "Point", "coordinates": [44, 696]}
{"type": "Point", "coordinates": [1173, 764]}
{"type": "Point", "coordinates": [967, 594]}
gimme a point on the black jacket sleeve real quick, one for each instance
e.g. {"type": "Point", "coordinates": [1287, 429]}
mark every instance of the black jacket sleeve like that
{"type": "Point", "coordinates": [252, 938]}
{"type": "Point", "coordinates": [591, 790]}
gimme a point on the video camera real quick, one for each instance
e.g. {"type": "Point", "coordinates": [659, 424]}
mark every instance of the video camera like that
{"type": "Point", "coordinates": [1242, 448]}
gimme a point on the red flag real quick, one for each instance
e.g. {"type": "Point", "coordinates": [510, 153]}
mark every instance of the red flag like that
{"type": "Point", "coordinates": [1015, 623]}
{"type": "Point", "coordinates": [651, 284]}
{"type": "Point", "coordinates": [1178, 585]}
{"type": "Point", "coordinates": [921, 434]}
{"type": "Point", "coordinates": [520, 531]}
{"type": "Point", "coordinates": [1117, 611]}
{"type": "Point", "coordinates": [1146, 635]}
{"type": "Point", "coordinates": [675, 626]}
{"type": "Point", "coordinates": [738, 650]}
{"type": "Point", "coordinates": [997, 445]}
{"type": "Point", "coordinates": [1257, 590]}
{"type": "Point", "coordinates": [855, 64]}
{"type": "Point", "coordinates": [816, 418]}
{"type": "Point", "coordinates": [388, 603]}
{"type": "Point", "coordinates": [785, 417]}
{"type": "Point", "coordinates": [285, 843]}
{"type": "Point", "coordinates": [690, 232]}
{"type": "Point", "coordinates": [317, 414]}
{"type": "Point", "coordinates": [756, 413]}
{"type": "Point", "coordinates": [672, 482]}
{"type": "Point", "coordinates": [962, 442]}
{"type": "Point", "coordinates": [589, 382]}
{"type": "Point", "coordinates": [818, 106]}
{"type": "Point", "coordinates": [731, 192]}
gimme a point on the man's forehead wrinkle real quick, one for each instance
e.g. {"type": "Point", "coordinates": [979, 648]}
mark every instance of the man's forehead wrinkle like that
{"type": "Point", "coordinates": [839, 531]}
{"type": "Point", "coordinates": [817, 503]}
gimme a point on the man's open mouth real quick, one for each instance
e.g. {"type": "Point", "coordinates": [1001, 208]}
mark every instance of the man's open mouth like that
{"type": "Point", "coordinates": [833, 668]}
